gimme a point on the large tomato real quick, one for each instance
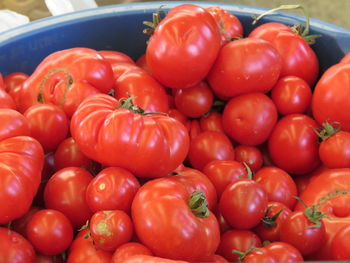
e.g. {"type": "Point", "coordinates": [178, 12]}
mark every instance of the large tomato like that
{"type": "Point", "coordinates": [183, 46]}
{"type": "Point", "coordinates": [117, 136]}
{"type": "Point", "coordinates": [179, 224]}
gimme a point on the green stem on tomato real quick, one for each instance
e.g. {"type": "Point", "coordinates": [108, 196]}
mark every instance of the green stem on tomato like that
{"type": "Point", "coordinates": [198, 204]}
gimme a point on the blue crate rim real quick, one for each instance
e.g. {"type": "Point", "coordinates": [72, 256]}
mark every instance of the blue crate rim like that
{"type": "Point", "coordinates": [132, 8]}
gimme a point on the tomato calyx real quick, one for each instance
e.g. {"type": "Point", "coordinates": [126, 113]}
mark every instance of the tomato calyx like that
{"type": "Point", "coordinates": [250, 173]}
{"type": "Point", "coordinates": [156, 18]}
{"type": "Point", "coordinates": [328, 130]}
{"type": "Point", "coordinates": [198, 204]}
{"type": "Point", "coordinates": [270, 221]}
{"type": "Point", "coordinates": [241, 255]}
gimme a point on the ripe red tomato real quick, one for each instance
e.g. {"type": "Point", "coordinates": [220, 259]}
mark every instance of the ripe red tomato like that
{"type": "Point", "coordinates": [44, 121]}
{"type": "Point", "coordinates": [244, 66]}
{"type": "Point", "coordinates": [114, 57]}
{"type": "Point", "coordinates": [250, 155]}
{"type": "Point", "coordinates": [120, 137]}
{"type": "Point", "coordinates": [12, 123]}
{"type": "Point", "coordinates": [65, 191]}
{"type": "Point", "coordinates": [341, 244]}
{"type": "Point", "coordinates": [209, 146]}
{"type": "Point", "coordinates": [291, 95]}
{"type": "Point", "coordinates": [211, 122]}
{"type": "Point", "coordinates": [243, 204]}
{"type": "Point", "coordinates": [284, 252]}
{"type": "Point", "coordinates": [49, 231]}
{"type": "Point", "coordinates": [194, 101]}
{"type": "Point", "coordinates": [14, 80]}
{"type": "Point", "coordinates": [259, 255]}
{"type": "Point", "coordinates": [113, 188]}
{"type": "Point", "coordinates": [183, 47]}
{"type": "Point", "coordinates": [269, 31]}
{"type": "Point", "coordinates": [128, 250]}
{"type": "Point", "coordinates": [249, 118]}
{"type": "Point", "coordinates": [20, 224]}
{"type": "Point", "coordinates": [6, 101]}
{"type": "Point", "coordinates": [15, 248]}
{"type": "Point", "coordinates": [293, 144]}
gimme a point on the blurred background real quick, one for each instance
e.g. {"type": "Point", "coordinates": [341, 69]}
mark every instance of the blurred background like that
{"type": "Point", "coordinates": [335, 12]}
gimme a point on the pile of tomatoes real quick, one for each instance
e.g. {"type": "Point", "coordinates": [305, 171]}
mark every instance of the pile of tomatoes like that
{"type": "Point", "coordinates": [212, 147]}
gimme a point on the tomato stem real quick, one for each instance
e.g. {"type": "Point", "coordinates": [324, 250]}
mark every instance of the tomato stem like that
{"type": "Point", "coordinates": [198, 204]}
{"type": "Point", "coordinates": [250, 173]}
{"type": "Point", "coordinates": [328, 129]}
{"type": "Point", "coordinates": [156, 18]}
{"type": "Point", "coordinates": [270, 221]}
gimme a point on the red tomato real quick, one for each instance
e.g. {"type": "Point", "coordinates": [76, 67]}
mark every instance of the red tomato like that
{"type": "Point", "coordinates": [221, 173]}
{"type": "Point", "coordinates": [239, 240]}
{"type": "Point", "coordinates": [40, 258]}
{"type": "Point", "coordinates": [243, 204]}
{"type": "Point", "coordinates": [50, 232]}
{"type": "Point", "coordinates": [341, 244]}
{"type": "Point", "coordinates": [345, 59]}
{"type": "Point", "coordinates": [209, 146]}
{"type": "Point", "coordinates": [15, 248]}
{"type": "Point", "coordinates": [20, 224]}
{"type": "Point", "coordinates": [229, 25]}
{"type": "Point", "coordinates": [169, 208]}
{"type": "Point", "coordinates": [211, 122]}
{"type": "Point", "coordinates": [116, 57]}
{"type": "Point", "coordinates": [244, 66]}
{"type": "Point", "coordinates": [68, 154]}
{"type": "Point", "coordinates": [12, 85]}
{"type": "Point", "coordinates": [65, 192]}
{"type": "Point", "coordinates": [21, 163]}
{"type": "Point", "coordinates": [194, 101]}
{"type": "Point", "coordinates": [224, 226]}
{"type": "Point", "coordinates": [270, 226]}
{"type": "Point", "coordinates": [142, 63]}
{"type": "Point", "coordinates": [284, 252]}
{"type": "Point", "coordinates": [113, 188]}
{"type": "Point", "coordinates": [119, 137]}
{"type": "Point", "coordinates": [183, 47]}
{"type": "Point", "coordinates": [151, 259]}
{"type": "Point", "coordinates": [329, 100]}
{"type": "Point", "coordinates": [179, 116]}
{"type": "Point", "coordinates": [194, 129]}
{"type": "Point", "coordinates": [300, 232]}
{"type": "Point", "coordinates": [110, 229]}
{"type": "Point", "coordinates": [6, 101]}
{"type": "Point", "coordinates": [128, 250]}
{"type": "Point", "coordinates": [12, 123]}
{"type": "Point", "coordinates": [44, 121]}
{"type": "Point", "coordinates": [218, 259]}
{"type": "Point", "coordinates": [259, 255]}
{"type": "Point", "coordinates": [291, 95]}
{"type": "Point", "coordinates": [293, 144]}
{"type": "Point", "coordinates": [269, 31]}
{"type": "Point", "coordinates": [250, 155]}
{"type": "Point", "coordinates": [249, 118]}
{"type": "Point", "coordinates": [278, 185]}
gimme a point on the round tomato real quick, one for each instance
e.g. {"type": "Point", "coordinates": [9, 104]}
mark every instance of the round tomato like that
{"type": "Point", "coordinates": [250, 155]}
{"type": "Point", "coordinates": [284, 252]}
{"type": "Point", "coordinates": [341, 244]}
{"type": "Point", "coordinates": [12, 123]}
{"type": "Point", "coordinates": [211, 122]}
{"type": "Point", "coordinates": [128, 250]}
{"type": "Point", "coordinates": [6, 101]}
{"type": "Point", "coordinates": [20, 224]}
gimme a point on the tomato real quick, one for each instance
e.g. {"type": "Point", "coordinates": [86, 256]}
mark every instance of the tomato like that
{"type": "Point", "coordinates": [116, 57]}
{"type": "Point", "coordinates": [113, 188]}
{"type": "Point", "coordinates": [12, 85]}
{"type": "Point", "coordinates": [278, 185]}
{"type": "Point", "coordinates": [243, 204]}
{"type": "Point", "coordinates": [239, 240]}
{"type": "Point", "coordinates": [20, 224]}
{"type": "Point", "coordinates": [12, 123]}
{"type": "Point", "coordinates": [249, 118]}
{"type": "Point", "coordinates": [50, 231]}
{"type": "Point", "coordinates": [291, 95]}
{"type": "Point", "coordinates": [21, 163]}
{"type": "Point", "coordinates": [194, 129]}
{"type": "Point", "coordinates": [341, 244]}
{"type": "Point", "coordinates": [128, 250]}
{"type": "Point", "coordinates": [150, 259]}
{"type": "Point", "coordinates": [270, 226]}
{"type": "Point", "coordinates": [44, 121]}
{"type": "Point", "coordinates": [284, 252]}
{"type": "Point", "coordinates": [224, 226]}
{"type": "Point", "coordinates": [68, 154]}
{"type": "Point", "coordinates": [6, 101]}
{"type": "Point", "coordinates": [259, 255]}
{"type": "Point", "coordinates": [293, 144]}
{"type": "Point", "coordinates": [240, 68]}
{"type": "Point", "coordinates": [194, 101]}
{"type": "Point", "coordinates": [345, 59]}
{"type": "Point", "coordinates": [209, 146]}
{"type": "Point", "coordinates": [298, 57]}
{"type": "Point", "coordinates": [65, 191]}
{"type": "Point", "coordinates": [110, 229]}
{"type": "Point", "coordinates": [250, 155]}
{"type": "Point", "coordinates": [179, 224]}
{"type": "Point", "coordinates": [120, 137]}
{"type": "Point", "coordinates": [183, 47]}
{"type": "Point", "coordinates": [142, 63]}
{"type": "Point", "coordinates": [229, 25]}
{"type": "Point", "coordinates": [221, 173]}
{"type": "Point", "coordinates": [303, 234]}
{"type": "Point", "coordinates": [329, 100]}
{"type": "Point", "coordinates": [15, 248]}
{"type": "Point", "coordinates": [179, 116]}
{"type": "Point", "coordinates": [269, 31]}
{"type": "Point", "coordinates": [211, 122]}
{"type": "Point", "coordinates": [40, 258]}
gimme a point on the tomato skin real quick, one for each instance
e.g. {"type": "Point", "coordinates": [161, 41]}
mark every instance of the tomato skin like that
{"type": "Point", "coordinates": [194, 101]}
{"type": "Point", "coordinates": [278, 185]}
{"type": "Point", "coordinates": [240, 69]}
{"type": "Point", "coordinates": [15, 248]}
{"type": "Point", "coordinates": [269, 31]}
{"type": "Point", "coordinates": [291, 95]}
{"type": "Point", "coordinates": [259, 255]}
{"type": "Point", "coordinates": [44, 121]}
{"type": "Point", "coordinates": [345, 59]}
{"type": "Point", "coordinates": [118, 137]}
{"type": "Point", "coordinates": [297, 231]}
{"type": "Point", "coordinates": [13, 123]}
{"type": "Point", "coordinates": [6, 101]}
{"type": "Point", "coordinates": [116, 57]}
{"type": "Point", "coordinates": [240, 240]}
{"type": "Point", "coordinates": [341, 244]}
{"type": "Point", "coordinates": [20, 224]}
{"type": "Point", "coordinates": [208, 146]}
{"type": "Point", "coordinates": [113, 188]}
{"type": "Point", "coordinates": [284, 252]}
{"type": "Point", "coordinates": [50, 231]}
{"type": "Point", "coordinates": [150, 259]}
{"type": "Point", "coordinates": [293, 144]}
{"type": "Point", "coordinates": [251, 155]}
{"type": "Point", "coordinates": [243, 204]}
{"type": "Point", "coordinates": [211, 122]}
{"type": "Point", "coordinates": [329, 100]}
{"type": "Point", "coordinates": [129, 249]}
{"type": "Point", "coordinates": [186, 40]}
{"type": "Point", "coordinates": [249, 118]}
{"type": "Point", "coordinates": [65, 191]}
{"type": "Point", "coordinates": [334, 151]}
